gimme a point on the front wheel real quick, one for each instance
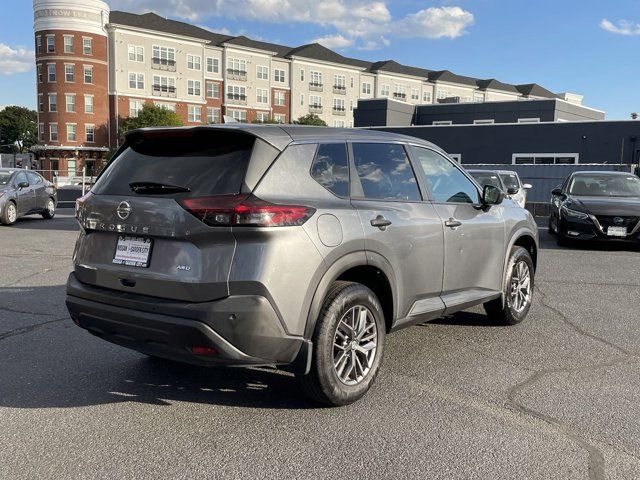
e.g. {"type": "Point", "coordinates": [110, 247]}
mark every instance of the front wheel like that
{"type": "Point", "coordinates": [50, 210]}
{"type": "Point", "coordinates": [348, 346]}
{"type": "Point", "coordinates": [10, 214]}
{"type": "Point", "coordinates": [513, 307]}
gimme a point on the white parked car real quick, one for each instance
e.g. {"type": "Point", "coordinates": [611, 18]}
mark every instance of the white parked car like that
{"type": "Point", "coordinates": [506, 180]}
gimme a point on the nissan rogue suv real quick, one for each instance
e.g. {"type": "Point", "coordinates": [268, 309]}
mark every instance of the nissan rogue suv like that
{"type": "Point", "coordinates": [301, 247]}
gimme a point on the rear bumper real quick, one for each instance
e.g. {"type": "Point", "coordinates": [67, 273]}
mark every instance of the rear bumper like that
{"type": "Point", "coordinates": [244, 330]}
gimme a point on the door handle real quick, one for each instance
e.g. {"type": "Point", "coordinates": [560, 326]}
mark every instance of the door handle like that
{"type": "Point", "coordinates": [452, 223]}
{"type": "Point", "coordinates": [380, 222]}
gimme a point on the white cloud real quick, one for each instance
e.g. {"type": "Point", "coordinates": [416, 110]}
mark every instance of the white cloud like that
{"type": "Point", "coordinates": [623, 27]}
{"type": "Point", "coordinates": [359, 23]}
{"type": "Point", "coordinates": [15, 60]}
{"type": "Point", "coordinates": [334, 41]}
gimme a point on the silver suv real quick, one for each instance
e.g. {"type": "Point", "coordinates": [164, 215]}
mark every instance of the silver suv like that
{"type": "Point", "coordinates": [301, 247]}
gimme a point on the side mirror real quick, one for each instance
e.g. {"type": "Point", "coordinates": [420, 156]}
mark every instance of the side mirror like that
{"type": "Point", "coordinates": [527, 186]}
{"type": "Point", "coordinates": [23, 184]}
{"type": "Point", "coordinates": [512, 190]}
{"type": "Point", "coordinates": [492, 195]}
{"type": "Point", "coordinates": [556, 192]}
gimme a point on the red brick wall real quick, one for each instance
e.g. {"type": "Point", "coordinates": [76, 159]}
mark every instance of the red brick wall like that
{"type": "Point", "coordinates": [286, 108]}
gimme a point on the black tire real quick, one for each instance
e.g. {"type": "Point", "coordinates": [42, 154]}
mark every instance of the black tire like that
{"type": "Point", "coordinates": [7, 219]}
{"type": "Point", "coordinates": [562, 241]}
{"type": "Point", "coordinates": [48, 213]}
{"type": "Point", "coordinates": [322, 384]}
{"type": "Point", "coordinates": [503, 310]}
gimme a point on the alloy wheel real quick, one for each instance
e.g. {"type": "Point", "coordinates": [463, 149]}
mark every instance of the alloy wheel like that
{"type": "Point", "coordinates": [12, 213]}
{"type": "Point", "coordinates": [520, 294]}
{"type": "Point", "coordinates": [51, 208]}
{"type": "Point", "coordinates": [354, 345]}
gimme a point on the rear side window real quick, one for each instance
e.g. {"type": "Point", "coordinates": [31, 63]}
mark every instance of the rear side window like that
{"type": "Point", "coordinates": [207, 163]}
{"type": "Point", "coordinates": [385, 172]}
{"type": "Point", "coordinates": [331, 169]}
{"type": "Point", "coordinates": [34, 178]}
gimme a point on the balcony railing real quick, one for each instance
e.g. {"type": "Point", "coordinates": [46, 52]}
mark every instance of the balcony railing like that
{"type": "Point", "coordinates": [235, 99]}
{"type": "Point", "coordinates": [163, 64]}
{"type": "Point", "coordinates": [164, 91]}
{"type": "Point", "coordinates": [315, 87]}
{"type": "Point", "coordinates": [233, 74]}
{"type": "Point", "coordinates": [401, 96]}
{"type": "Point", "coordinates": [315, 108]}
{"type": "Point", "coordinates": [340, 111]}
{"type": "Point", "coordinates": [340, 89]}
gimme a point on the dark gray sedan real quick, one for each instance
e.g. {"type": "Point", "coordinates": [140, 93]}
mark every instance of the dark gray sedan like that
{"type": "Point", "coordinates": [24, 192]}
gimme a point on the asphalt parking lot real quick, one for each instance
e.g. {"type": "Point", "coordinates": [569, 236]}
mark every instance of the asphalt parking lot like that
{"type": "Point", "coordinates": [555, 397]}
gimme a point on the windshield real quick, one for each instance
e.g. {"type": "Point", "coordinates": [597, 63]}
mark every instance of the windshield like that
{"type": "Point", "coordinates": [5, 177]}
{"type": "Point", "coordinates": [510, 180]}
{"type": "Point", "coordinates": [487, 178]}
{"type": "Point", "coordinates": [605, 186]}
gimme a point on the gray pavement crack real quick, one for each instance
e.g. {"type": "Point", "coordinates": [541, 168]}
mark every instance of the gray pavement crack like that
{"type": "Point", "coordinates": [29, 329]}
{"type": "Point", "coordinates": [31, 275]}
{"type": "Point", "coordinates": [26, 312]}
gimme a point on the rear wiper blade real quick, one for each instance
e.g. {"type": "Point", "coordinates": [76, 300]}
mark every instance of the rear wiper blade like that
{"type": "Point", "coordinates": [154, 187]}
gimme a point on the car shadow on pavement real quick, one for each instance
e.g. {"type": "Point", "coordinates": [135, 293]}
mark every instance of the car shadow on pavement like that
{"type": "Point", "coordinates": [466, 319]}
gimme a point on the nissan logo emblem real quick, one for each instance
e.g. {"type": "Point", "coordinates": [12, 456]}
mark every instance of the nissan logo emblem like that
{"type": "Point", "coordinates": [618, 221]}
{"type": "Point", "coordinates": [124, 210]}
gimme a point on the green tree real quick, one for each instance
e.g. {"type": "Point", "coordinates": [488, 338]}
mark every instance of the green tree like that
{"type": "Point", "coordinates": [151, 116]}
{"type": "Point", "coordinates": [310, 119]}
{"type": "Point", "coordinates": [18, 128]}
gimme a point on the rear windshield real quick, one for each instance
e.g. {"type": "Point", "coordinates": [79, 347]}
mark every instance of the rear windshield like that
{"type": "Point", "coordinates": [510, 180]}
{"type": "Point", "coordinates": [487, 179]}
{"type": "Point", "coordinates": [206, 163]}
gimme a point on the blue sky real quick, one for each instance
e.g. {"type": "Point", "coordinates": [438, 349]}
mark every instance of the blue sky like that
{"type": "Point", "coordinates": [587, 47]}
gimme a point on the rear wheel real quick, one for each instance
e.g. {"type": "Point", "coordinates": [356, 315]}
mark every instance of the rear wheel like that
{"type": "Point", "coordinates": [10, 214]}
{"type": "Point", "coordinates": [348, 346]}
{"type": "Point", "coordinates": [513, 307]}
{"type": "Point", "coordinates": [49, 210]}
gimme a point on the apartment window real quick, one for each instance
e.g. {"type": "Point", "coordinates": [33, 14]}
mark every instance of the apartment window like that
{"type": "Point", "coordinates": [90, 133]}
{"type": "Point", "coordinates": [302, 99]}
{"type": "Point", "coordinates": [195, 113]}
{"type": "Point", "coordinates": [442, 94]}
{"type": "Point", "coordinates": [239, 115]}
{"type": "Point", "coordinates": [68, 44]}
{"type": "Point", "coordinates": [234, 92]}
{"type": "Point", "coordinates": [236, 66]}
{"type": "Point", "coordinates": [213, 115]}
{"type": "Point", "coordinates": [163, 57]}
{"type": "Point", "coordinates": [338, 123]}
{"type": "Point", "coordinates": [88, 104]}
{"type": "Point", "coordinates": [51, 73]}
{"type": "Point", "coordinates": [136, 81]}
{"type": "Point", "coordinates": [194, 87]}
{"type": "Point", "coordinates": [213, 65]}
{"type": "Point", "coordinates": [213, 90]}
{"type": "Point", "coordinates": [478, 98]}
{"type": "Point", "coordinates": [41, 102]}
{"type": "Point", "coordinates": [167, 106]}
{"type": "Point", "coordinates": [38, 44]}
{"type": "Point", "coordinates": [366, 88]}
{"type": "Point", "coordinates": [41, 132]}
{"type": "Point", "coordinates": [338, 105]}
{"type": "Point", "coordinates": [426, 97]}
{"type": "Point", "coordinates": [278, 75]}
{"type": "Point", "coordinates": [135, 107]}
{"type": "Point", "coordinates": [39, 70]}
{"type": "Point", "coordinates": [545, 158]}
{"type": "Point", "coordinates": [280, 118]}
{"type": "Point", "coordinates": [72, 132]}
{"type": "Point", "coordinates": [415, 94]}
{"type": "Point", "coordinates": [315, 101]}
{"type": "Point", "coordinates": [351, 83]}
{"type": "Point", "coordinates": [400, 92]}
{"type": "Point", "coordinates": [351, 105]}
{"type": "Point", "coordinates": [136, 53]}
{"type": "Point", "coordinates": [164, 86]}
{"type": "Point", "coordinates": [87, 46]}
{"type": "Point", "coordinates": [485, 121]}
{"type": "Point", "coordinates": [442, 122]}
{"type": "Point", "coordinates": [53, 132]}
{"type": "Point", "coordinates": [69, 73]}
{"type": "Point", "coordinates": [193, 62]}
{"type": "Point", "coordinates": [340, 82]}
{"type": "Point", "coordinates": [384, 90]}
{"type": "Point", "coordinates": [528, 120]}
{"type": "Point", "coordinates": [88, 74]}
{"type": "Point", "coordinates": [51, 44]}
{"type": "Point", "coordinates": [302, 74]}
{"type": "Point", "coordinates": [70, 102]}
{"type": "Point", "coordinates": [315, 79]}
{"type": "Point", "coordinates": [53, 102]}
{"type": "Point", "coordinates": [262, 117]}
{"type": "Point", "coordinates": [262, 95]}
{"type": "Point", "coordinates": [262, 72]}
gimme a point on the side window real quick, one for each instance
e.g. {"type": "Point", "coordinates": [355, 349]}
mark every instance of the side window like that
{"type": "Point", "coordinates": [447, 183]}
{"type": "Point", "coordinates": [21, 177]}
{"type": "Point", "coordinates": [34, 179]}
{"type": "Point", "coordinates": [385, 172]}
{"type": "Point", "coordinates": [331, 168]}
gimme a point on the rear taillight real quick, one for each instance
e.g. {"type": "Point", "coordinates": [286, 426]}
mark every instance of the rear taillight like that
{"type": "Point", "coordinates": [245, 211]}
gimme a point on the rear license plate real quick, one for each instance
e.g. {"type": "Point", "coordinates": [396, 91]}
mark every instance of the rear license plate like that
{"type": "Point", "coordinates": [133, 251]}
{"type": "Point", "coordinates": [617, 231]}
